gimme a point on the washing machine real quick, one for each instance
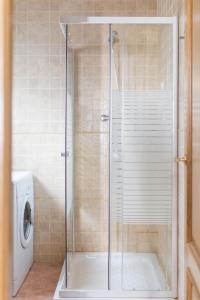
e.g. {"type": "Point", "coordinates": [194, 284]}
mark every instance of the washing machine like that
{"type": "Point", "coordinates": [23, 227]}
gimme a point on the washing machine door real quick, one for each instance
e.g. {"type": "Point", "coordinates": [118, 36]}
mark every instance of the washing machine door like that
{"type": "Point", "coordinates": [26, 223]}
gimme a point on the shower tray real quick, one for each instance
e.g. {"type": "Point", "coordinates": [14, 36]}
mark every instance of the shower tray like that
{"type": "Point", "coordinates": [142, 272]}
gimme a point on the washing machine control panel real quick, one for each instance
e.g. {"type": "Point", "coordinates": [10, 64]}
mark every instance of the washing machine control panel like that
{"type": "Point", "coordinates": [25, 187]}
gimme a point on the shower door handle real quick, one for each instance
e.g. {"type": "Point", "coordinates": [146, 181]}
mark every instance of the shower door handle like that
{"type": "Point", "coordinates": [64, 154]}
{"type": "Point", "coordinates": [104, 118]}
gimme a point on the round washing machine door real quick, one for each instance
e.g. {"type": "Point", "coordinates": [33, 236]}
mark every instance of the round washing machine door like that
{"type": "Point", "coordinates": [26, 223]}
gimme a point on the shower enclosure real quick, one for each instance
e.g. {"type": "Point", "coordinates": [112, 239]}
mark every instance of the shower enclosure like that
{"type": "Point", "coordinates": [120, 157]}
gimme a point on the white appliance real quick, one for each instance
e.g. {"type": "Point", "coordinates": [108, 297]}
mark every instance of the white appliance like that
{"type": "Point", "coordinates": [23, 213]}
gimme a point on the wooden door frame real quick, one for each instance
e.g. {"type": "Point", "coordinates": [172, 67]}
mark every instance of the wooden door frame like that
{"type": "Point", "coordinates": [191, 284]}
{"type": "Point", "coordinates": [192, 252]}
{"type": "Point", "coordinates": [189, 34]}
{"type": "Point", "coordinates": [189, 118]}
{"type": "Point", "coordinates": [5, 147]}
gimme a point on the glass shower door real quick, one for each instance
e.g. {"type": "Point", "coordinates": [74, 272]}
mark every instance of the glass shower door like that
{"type": "Point", "coordinates": [127, 241]}
{"type": "Point", "coordinates": [143, 158]}
{"type": "Point", "coordinates": [69, 161]}
{"type": "Point", "coordinates": [87, 157]}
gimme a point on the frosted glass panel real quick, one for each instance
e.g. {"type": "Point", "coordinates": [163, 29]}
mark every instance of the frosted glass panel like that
{"type": "Point", "coordinates": [143, 157]}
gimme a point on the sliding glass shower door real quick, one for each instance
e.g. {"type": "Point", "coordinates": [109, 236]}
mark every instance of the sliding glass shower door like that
{"type": "Point", "coordinates": [143, 157]}
{"type": "Point", "coordinates": [121, 146]}
{"type": "Point", "coordinates": [87, 259]}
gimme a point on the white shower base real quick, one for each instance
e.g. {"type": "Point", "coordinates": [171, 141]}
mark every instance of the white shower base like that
{"type": "Point", "coordinates": [141, 272]}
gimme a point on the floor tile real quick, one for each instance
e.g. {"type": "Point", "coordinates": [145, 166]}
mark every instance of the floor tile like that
{"type": "Point", "coordinates": [40, 283]}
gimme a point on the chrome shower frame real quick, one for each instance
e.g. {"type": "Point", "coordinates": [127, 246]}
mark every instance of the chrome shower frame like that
{"type": "Point", "coordinates": [62, 292]}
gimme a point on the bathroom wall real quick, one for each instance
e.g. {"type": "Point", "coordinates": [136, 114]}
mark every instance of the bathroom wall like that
{"type": "Point", "coordinates": [91, 100]}
{"type": "Point", "coordinates": [91, 136]}
{"type": "Point", "coordinates": [38, 112]}
{"type": "Point", "coordinates": [38, 119]}
{"type": "Point", "coordinates": [168, 8]}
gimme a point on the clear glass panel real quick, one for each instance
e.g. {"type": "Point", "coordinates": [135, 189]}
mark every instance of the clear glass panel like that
{"type": "Point", "coordinates": [116, 183]}
{"type": "Point", "coordinates": [143, 158]}
{"type": "Point", "coordinates": [69, 158]}
{"type": "Point", "coordinates": [89, 262]}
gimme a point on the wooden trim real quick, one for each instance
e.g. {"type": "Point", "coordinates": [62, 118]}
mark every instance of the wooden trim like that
{"type": "Point", "coordinates": [5, 146]}
{"type": "Point", "coordinates": [189, 51]}
{"type": "Point", "coordinates": [189, 118]}
{"type": "Point", "coordinates": [191, 283]}
{"type": "Point", "coordinates": [193, 261]}
{"type": "Point", "coordinates": [195, 252]}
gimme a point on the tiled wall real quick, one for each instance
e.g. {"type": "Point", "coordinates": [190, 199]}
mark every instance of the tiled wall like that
{"type": "Point", "coordinates": [91, 135]}
{"type": "Point", "coordinates": [168, 8]}
{"type": "Point", "coordinates": [38, 118]}
{"type": "Point", "coordinates": [91, 100]}
{"type": "Point", "coordinates": [38, 110]}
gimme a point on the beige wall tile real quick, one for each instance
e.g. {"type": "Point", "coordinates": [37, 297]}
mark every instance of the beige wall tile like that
{"type": "Point", "coordinates": [39, 91]}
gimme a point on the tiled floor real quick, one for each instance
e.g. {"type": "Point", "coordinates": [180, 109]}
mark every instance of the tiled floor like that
{"type": "Point", "coordinates": [40, 283]}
